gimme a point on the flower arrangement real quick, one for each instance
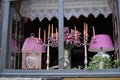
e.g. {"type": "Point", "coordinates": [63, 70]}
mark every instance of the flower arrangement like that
{"type": "Point", "coordinates": [71, 38]}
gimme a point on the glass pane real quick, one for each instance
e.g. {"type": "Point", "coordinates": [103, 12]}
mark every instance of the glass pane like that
{"type": "Point", "coordinates": [40, 27]}
{"type": "Point", "coordinates": [34, 44]}
{"type": "Point", "coordinates": [14, 56]}
{"type": "Point", "coordinates": [81, 30]}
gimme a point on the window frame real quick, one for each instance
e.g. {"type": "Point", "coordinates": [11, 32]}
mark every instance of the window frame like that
{"type": "Point", "coordinates": [48, 73]}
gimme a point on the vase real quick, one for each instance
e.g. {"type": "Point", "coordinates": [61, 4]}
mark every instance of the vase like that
{"type": "Point", "coordinates": [67, 59]}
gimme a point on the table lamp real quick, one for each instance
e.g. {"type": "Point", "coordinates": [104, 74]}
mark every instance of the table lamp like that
{"type": "Point", "coordinates": [101, 44]}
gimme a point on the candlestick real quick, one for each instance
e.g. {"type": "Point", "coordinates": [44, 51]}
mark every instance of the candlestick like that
{"type": "Point", "coordinates": [49, 30]}
{"type": "Point", "coordinates": [44, 36]}
{"type": "Point", "coordinates": [85, 60]}
{"type": "Point", "coordinates": [93, 32]}
{"type": "Point", "coordinates": [39, 33]}
{"type": "Point", "coordinates": [86, 30]}
{"type": "Point", "coordinates": [48, 50]}
{"type": "Point", "coordinates": [56, 34]}
{"type": "Point", "coordinates": [75, 33]}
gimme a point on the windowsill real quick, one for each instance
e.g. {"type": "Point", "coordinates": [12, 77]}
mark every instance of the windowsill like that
{"type": "Point", "coordinates": [60, 73]}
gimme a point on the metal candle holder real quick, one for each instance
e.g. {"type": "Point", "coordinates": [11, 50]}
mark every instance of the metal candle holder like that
{"type": "Point", "coordinates": [48, 49]}
{"type": "Point", "coordinates": [85, 48]}
{"type": "Point", "coordinates": [48, 44]}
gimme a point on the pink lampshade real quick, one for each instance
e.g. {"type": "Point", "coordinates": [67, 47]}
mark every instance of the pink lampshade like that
{"type": "Point", "coordinates": [32, 44]}
{"type": "Point", "coordinates": [101, 41]}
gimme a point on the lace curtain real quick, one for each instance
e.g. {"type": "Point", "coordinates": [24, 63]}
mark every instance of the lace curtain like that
{"type": "Point", "coordinates": [49, 8]}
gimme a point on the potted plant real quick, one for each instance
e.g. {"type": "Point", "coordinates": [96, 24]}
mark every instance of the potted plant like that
{"type": "Point", "coordinates": [116, 63]}
{"type": "Point", "coordinates": [100, 62]}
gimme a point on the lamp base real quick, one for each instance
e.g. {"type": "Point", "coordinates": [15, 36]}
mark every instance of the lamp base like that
{"type": "Point", "coordinates": [100, 61]}
{"type": "Point", "coordinates": [103, 55]}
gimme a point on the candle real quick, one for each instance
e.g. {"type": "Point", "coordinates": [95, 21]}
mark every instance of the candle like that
{"type": "Point", "coordinates": [52, 30]}
{"type": "Point", "coordinates": [56, 34]}
{"type": "Point", "coordinates": [86, 30]}
{"type": "Point", "coordinates": [44, 36]}
{"type": "Point", "coordinates": [75, 33]}
{"type": "Point", "coordinates": [39, 33]}
{"type": "Point", "coordinates": [93, 32]}
{"type": "Point", "coordinates": [49, 30]}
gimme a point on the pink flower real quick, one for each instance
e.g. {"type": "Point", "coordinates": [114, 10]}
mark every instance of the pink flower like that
{"type": "Point", "coordinates": [69, 39]}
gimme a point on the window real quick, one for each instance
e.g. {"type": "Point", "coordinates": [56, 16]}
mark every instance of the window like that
{"type": "Point", "coordinates": [14, 26]}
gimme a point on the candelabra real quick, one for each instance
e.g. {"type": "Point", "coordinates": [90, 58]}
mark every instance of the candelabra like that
{"type": "Point", "coordinates": [48, 55]}
{"type": "Point", "coordinates": [70, 40]}
{"type": "Point", "coordinates": [51, 41]}
{"type": "Point", "coordinates": [48, 48]}
{"type": "Point", "coordinates": [85, 49]}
